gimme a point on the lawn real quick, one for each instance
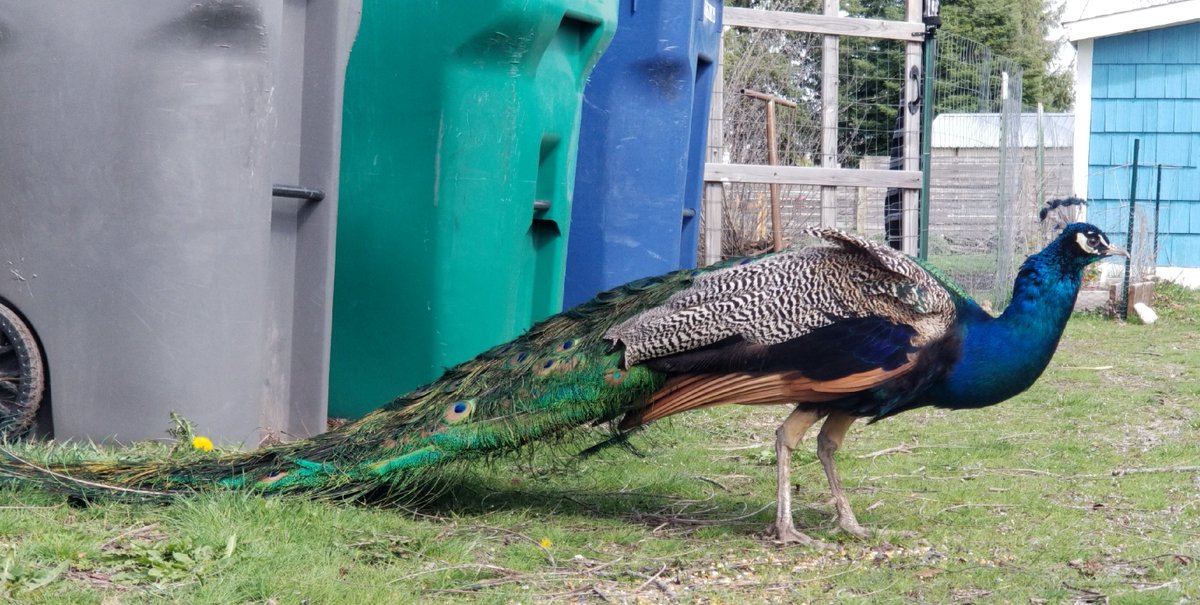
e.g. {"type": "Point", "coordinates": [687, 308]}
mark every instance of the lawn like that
{"type": "Point", "coordinates": [1085, 489]}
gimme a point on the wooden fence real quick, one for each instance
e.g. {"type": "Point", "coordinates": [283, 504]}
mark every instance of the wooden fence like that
{"type": "Point", "coordinates": [829, 175]}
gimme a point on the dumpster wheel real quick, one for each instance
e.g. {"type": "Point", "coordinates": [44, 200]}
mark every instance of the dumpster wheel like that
{"type": "Point", "coordinates": [22, 375]}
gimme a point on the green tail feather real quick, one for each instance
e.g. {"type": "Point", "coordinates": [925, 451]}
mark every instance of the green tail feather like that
{"type": "Point", "coordinates": [557, 377]}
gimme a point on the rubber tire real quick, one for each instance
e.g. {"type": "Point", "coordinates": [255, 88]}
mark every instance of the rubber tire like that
{"type": "Point", "coordinates": [17, 416]}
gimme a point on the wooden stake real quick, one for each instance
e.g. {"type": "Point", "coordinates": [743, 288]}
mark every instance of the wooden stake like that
{"type": "Point", "coordinates": [773, 160]}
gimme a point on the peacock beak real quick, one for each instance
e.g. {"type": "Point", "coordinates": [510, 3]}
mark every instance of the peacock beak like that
{"type": "Point", "coordinates": [1111, 250]}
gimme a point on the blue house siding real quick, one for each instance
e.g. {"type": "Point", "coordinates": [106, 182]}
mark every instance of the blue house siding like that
{"type": "Point", "coordinates": [1146, 85]}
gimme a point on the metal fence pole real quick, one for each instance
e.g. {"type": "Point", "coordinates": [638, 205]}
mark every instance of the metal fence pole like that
{"type": "Point", "coordinates": [1137, 143]}
{"type": "Point", "coordinates": [1157, 207]}
{"type": "Point", "coordinates": [927, 141]}
{"type": "Point", "coordinates": [1041, 156]}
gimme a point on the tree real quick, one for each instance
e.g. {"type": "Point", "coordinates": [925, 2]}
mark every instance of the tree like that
{"type": "Point", "coordinates": [1016, 29]}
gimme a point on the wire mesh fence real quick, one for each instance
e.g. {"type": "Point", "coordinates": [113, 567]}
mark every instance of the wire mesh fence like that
{"type": "Point", "coordinates": [992, 166]}
{"type": "Point", "coordinates": [1151, 215]}
{"type": "Point", "coordinates": [788, 65]}
{"type": "Point", "coordinates": [982, 220]}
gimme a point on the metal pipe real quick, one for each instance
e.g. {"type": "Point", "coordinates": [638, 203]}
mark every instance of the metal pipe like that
{"type": "Point", "coordinates": [300, 193]}
{"type": "Point", "coordinates": [1137, 143]}
{"type": "Point", "coordinates": [928, 74]}
{"type": "Point", "coordinates": [1157, 207]}
{"type": "Point", "coordinates": [1041, 156]}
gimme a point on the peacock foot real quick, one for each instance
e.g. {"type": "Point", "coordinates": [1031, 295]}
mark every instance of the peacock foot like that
{"type": "Point", "coordinates": [858, 531]}
{"type": "Point", "coordinates": [854, 529]}
{"type": "Point", "coordinates": [788, 534]}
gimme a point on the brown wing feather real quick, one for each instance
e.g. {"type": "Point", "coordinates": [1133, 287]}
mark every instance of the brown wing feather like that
{"type": "Point", "coordinates": [690, 392]}
{"type": "Point", "coordinates": [775, 299]}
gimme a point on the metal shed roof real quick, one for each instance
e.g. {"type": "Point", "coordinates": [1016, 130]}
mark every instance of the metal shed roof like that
{"type": "Point", "coordinates": [983, 130]}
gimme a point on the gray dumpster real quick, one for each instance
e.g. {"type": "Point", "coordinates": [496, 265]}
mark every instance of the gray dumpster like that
{"type": "Point", "coordinates": [163, 233]}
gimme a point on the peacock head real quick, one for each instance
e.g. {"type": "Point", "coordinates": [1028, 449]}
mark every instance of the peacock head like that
{"type": "Point", "coordinates": [1086, 244]}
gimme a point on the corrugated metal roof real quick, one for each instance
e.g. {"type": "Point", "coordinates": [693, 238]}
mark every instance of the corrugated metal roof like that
{"type": "Point", "coordinates": [983, 130]}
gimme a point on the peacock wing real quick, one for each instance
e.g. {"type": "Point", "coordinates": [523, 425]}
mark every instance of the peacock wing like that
{"type": "Point", "coordinates": [805, 325]}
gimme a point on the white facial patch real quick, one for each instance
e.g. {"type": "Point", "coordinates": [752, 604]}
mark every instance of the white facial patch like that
{"type": "Point", "coordinates": [1082, 240]}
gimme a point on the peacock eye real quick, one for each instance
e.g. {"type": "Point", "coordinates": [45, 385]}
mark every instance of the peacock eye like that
{"type": "Point", "coordinates": [1093, 240]}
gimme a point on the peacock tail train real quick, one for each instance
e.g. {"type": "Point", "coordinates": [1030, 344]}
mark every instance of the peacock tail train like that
{"type": "Point", "coordinates": [561, 375]}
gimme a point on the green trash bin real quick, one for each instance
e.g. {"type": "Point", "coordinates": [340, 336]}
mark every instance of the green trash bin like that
{"type": "Point", "coordinates": [458, 148]}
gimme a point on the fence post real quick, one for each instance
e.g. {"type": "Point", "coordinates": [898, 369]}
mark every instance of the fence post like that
{"type": "Point", "coordinates": [910, 203]}
{"type": "Point", "coordinates": [773, 160]}
{"type": "Point", "coordinates": [1041, 157]}
{"type": "Point", "coordinates": [929, 75]}
{"type": "Point", "coordinates": [713, 212]}
{"type": "Point", "coordinates": [829, 116]}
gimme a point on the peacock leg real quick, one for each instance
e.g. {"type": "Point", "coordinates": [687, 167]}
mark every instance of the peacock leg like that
{"type": "Point", "coordinates": [787, 437]}
{"type": "Point", "coordinates": [833, 432]}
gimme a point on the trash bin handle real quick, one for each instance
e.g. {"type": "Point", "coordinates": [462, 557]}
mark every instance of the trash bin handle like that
{"type": "Point", "coordinates": [300, 193]}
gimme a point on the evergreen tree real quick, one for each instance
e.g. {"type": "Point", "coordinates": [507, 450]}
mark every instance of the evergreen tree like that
{"type": "Point", "coordinates": [1016, 29]}
{"type": "Point", "coordinates": [871, 71]}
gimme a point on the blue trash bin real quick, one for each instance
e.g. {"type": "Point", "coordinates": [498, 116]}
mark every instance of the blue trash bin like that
{"type": "Point", "coordinates": [640, 169]}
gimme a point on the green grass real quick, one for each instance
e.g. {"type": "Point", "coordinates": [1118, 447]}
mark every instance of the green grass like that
{"type": "Point", "coordinates": [1017, 503]}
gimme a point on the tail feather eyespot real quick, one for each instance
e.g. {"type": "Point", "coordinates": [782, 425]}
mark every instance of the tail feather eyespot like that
{"type": "Point", "coordinates": [459, 411]}
{"type": "Point", "coordinates": [615, 376]}
{"type": "Point", "coordinates": [272, 477]}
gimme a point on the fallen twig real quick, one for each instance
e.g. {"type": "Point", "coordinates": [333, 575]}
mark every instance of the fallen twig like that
{"type": "Point", "coordinates": [1155, 469]}
{"type": "Point", "coordinates": [600, 594]}
{"type": "Point", "coordinates": [137, 531]}
{"type": "Point", "coordinates": [537, 543]}
{"type": "Point", "coordinates": [738, 448]}
{"type": "Point", "coordinates": [712, 481]}
{"type": "Point", "coordinates": [974, 505]}
{"type": "Point", "coordinates": [1150, 587]}
{"type": "Point", "coordinates": [476, 566]}
{"type": "Point", "coordinates": [899, 449]}
{"type": "Point", "coordinates": [654, 578]}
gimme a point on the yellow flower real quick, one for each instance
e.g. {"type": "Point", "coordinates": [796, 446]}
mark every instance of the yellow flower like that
{"type": "Point", "coordinates": [202, 443]}
{"type": "Point", "coordinates": [545, 543]}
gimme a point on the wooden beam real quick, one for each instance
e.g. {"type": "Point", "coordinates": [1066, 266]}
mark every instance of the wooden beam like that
{"type": "Point", "coordinates": [804, 175]}
{"type": "Point", "coordinates": [713, 209]}
{"type": "Point", "coordinates": [829, 117]}
{"type": "Point", "coordinates": [823, 24]}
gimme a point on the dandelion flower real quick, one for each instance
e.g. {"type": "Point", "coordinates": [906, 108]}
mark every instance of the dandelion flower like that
{"type": "Point", "coordinates": [202, 443]}
{"type": "Point", "coordinates": [545, 543]}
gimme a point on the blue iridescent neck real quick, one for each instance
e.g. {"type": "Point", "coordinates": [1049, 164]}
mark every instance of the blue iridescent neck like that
{"type": "Point", "coordinates": [1004, 356]}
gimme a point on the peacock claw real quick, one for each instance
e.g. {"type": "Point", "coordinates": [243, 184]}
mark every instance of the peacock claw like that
{"type": "Point", "coordinates": [787, 534]}
{"type": "Point", "coordinates": [863, 533]}
{"type": "Point", "coordinates": [856, 530]}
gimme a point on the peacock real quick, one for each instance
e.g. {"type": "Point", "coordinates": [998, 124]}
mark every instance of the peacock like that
{"type": "Point", "coordinates": [839, 331]}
